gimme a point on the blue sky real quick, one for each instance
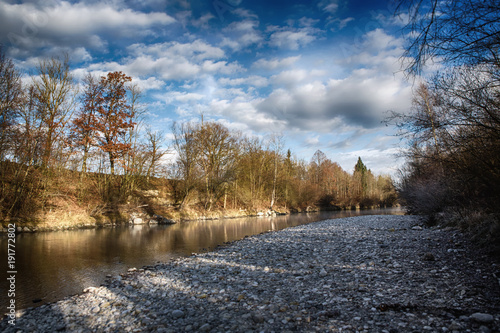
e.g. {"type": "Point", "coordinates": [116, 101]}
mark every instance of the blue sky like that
{"type": "Point", "coordinates": [323, 73]}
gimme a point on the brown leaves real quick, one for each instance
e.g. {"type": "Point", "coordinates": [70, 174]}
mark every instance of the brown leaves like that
{"type": "Point", "coordinates": [106, 116]}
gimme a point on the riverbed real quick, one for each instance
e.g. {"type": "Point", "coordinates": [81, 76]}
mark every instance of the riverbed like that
{"type": "Point", "coordinates": [53, 265]}
{"type": "Point", "coordinates": [359, 274]}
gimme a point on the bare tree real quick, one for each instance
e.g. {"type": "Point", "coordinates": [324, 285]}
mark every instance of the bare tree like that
{"type": "Point", "coordinates": [217, 157]}
{"type": "Point", "coordinates": [54, 92]}
{"type": "Point", "coordinates": [11, 100]}
{"type": "Point", "coordinates": [185, 136]}
{"type": "Point", "coordinates": [83, 130]}
{"type": "Point", "coordinates": [456, 32]}
{"type": "Point", "coordinates": [155, 151]}
{"type": "Point", "coordinates": [276, 144]}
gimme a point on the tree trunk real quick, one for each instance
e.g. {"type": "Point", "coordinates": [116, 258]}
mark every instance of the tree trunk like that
{"type": "Point", "coordinates": [112, 163]}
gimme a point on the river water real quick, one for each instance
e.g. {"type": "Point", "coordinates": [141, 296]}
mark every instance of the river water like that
{"type": "Point", "coordinates": [52, 265]}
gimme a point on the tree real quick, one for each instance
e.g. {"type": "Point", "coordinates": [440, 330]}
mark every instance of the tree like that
{"type": "Point", "coordinates": [83, 129]}
{"type": "Point", "coordinates": [455, 32]}
{"type": "Point", "coordinates": [28, 148]}
{"type": "Point", "coordinates": [11, 100]}
{"type": "Point", "coordinates": [114, 116]}
{"type": "Point", "coordinates": [288, 175]}
{"type": "Point", "coordinates": [316, 165]}
{"type": "Point", "coordinates": [454, 124]}
{"type": "Point", "coordinates": [361, 177]}
{"type": "Point", "coordinates": [276, 145]}
{"type": "Point", "coordinates": [217, 148]}
{"type": "Point", "coordinates": [187, 151]}
{"type": "Point", "coordinates": [252, 167]}
{"type": "Point", "coordinates": [53, 89]}
{"type": "Point", "coordinates": [155, 151]}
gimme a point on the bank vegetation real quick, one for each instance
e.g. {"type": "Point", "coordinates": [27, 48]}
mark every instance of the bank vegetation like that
{"type": "Point", "coordinates": [453, 128]}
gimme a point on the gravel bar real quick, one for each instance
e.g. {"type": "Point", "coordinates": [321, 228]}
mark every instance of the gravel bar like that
{"type": "Point", "coordinates": [360, 274]}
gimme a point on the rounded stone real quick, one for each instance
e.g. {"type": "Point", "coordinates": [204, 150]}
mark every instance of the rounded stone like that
{"type": "Point", "coordinates": [484, 318]}
{"type": "Point", "coordinates": [205, 328]}
{"type": "Point", "coordinates": [177, 314]}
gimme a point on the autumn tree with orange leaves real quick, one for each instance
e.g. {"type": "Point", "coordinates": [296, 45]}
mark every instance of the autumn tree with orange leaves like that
{"type": "Point", "coordinates": [114, 116]}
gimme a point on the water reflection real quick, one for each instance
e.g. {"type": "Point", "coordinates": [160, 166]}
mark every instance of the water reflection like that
{"type": "Point", "coordinates": [53, 265]}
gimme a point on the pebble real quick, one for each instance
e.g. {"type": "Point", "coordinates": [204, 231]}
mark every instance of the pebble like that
{"type": "Point", "coordinates": [177, 314]}
{"type": "Point", "coordinates": [484, 318]}
{"type": "Point", "coordinates": [359, 274]}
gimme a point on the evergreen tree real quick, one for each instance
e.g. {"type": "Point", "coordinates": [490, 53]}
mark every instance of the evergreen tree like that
{"type": "Point", "coordinates": [361, 171]}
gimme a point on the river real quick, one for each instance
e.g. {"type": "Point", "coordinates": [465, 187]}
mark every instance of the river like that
{"type": "Point", "coordinates": [52, 265]}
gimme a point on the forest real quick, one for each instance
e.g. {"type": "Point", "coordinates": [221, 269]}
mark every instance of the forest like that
{"type": "Point", "coordinates": [82, 150]}
{"type": "Point", "coordinates": [453, 128]}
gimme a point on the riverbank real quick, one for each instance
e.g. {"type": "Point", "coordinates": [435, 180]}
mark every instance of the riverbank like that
{"type": "Point", "coordinates": [126, 215]}
{"type": "Point", "coordinates": [70, 220]}
{"type": "Point", "coordinates": [368, 273]}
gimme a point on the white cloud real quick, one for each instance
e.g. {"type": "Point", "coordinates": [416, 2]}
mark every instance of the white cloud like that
{"type": "Point", "coordinates": [151, 83]}
{"type": "Point", "coordinates": [312, 141]}
{"type": "Point", "coordinates": [186, 97]}
{"type": "Point", "coordinates": [243, 111]}
{"type": "Point", "coordinates": [292, 39]}
{"type": "Point", "coordinates": [84, 19]}
{"type": "Point", "coordinates": [220, 67]}
{"type": "Point", "coordinates": [357, 100]}
{"type": "Point", "coordinates": [253, 80]}
{"type": "Point", "coordinates": [339, 24]}
{"type": "Point", "coordinates": [69, 24]}
{"type": "Point", "coordinates": [329, 6]}
{"type": "Point", "coordinates": [173, 61]}
{"type": "Point", "coordinates": [202, 22]}
{"type": "Point", "coordinates": [290, 77]}
{"type": "Point", "coordinates": [196, 50]}
{"type": "Point", "coordinates": [275, 63]}
{"type": "Point", "coordinates": [241, 34]}
{"type": "Point", "coordinates": [360, 100]}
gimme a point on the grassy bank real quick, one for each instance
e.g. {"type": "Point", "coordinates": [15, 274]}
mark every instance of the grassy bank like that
{"type": "Point", "coordinates": [40, 200]}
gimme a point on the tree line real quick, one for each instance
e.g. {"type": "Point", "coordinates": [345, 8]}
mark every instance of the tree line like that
{"type": "Point", "coordinates": [52, 127]}
{"type": "Point", "coordinates": [453, 127]}
{"type": "Point", "coordinates": [221, 168]}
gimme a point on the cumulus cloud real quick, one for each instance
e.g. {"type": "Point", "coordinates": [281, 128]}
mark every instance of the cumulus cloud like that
{"type": "Point", "coordinates": [359, 100]}
{"type": "Point", "coordinates": [68, 24]}
{"type": "Point", "coordinates": [173, 61]}
{"type": "Point", "coordinates": [196, 50]}
{"type": "Point", "coordinates": [292, 39]}
{"type": "Point", "coordinates": [243, 111]}
{"type": "Point", "coordinates": [242, 34]}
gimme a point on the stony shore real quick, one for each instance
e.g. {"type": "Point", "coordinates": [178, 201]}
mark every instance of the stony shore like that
{"type": "Point", "coordinates": [360, 274]}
